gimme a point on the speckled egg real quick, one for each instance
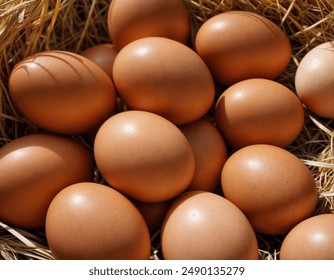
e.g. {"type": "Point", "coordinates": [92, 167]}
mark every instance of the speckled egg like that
{"type": "Point", "coordinates": [271, 186]}
{"type": "Point", "coordinates": [203, 225]}
{"type": "Point", "coordinates": [144, 156]}
{"type": "Point", "coordinates": [93, 222]}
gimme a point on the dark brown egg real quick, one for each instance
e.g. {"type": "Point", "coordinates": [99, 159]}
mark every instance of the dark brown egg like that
{"type": "Point", "coordinates": [203, 225]}
{"type": "Point", "coordinates": [271, 186]}
{"type": "Point", "coordinates": [153, 213]}
{"type": "Point", "coordinates": [311, 239]}
{"type": "Point", "coordinates": [238, 45]}
{"type": "Point", "coordinates": [164, 77]}
{"type": "Point", "coordinates": [164, 18]}
{"type": "Point", "coordinates": [93, 222]}
{"type": "Point", "coordinates": [33, 169]}
{"type": "Point", "coordinates": [62, 92]}
{"type": "Point", "coordinates": [210, 154]}
{"type": "Point", "coordinates": [259, 111]}
{"type": "Point", "coordinates": [144, 156]}
{"type": "Point", "coordinates": [103, 55]}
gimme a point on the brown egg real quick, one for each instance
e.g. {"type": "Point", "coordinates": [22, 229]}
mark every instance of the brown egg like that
{"type": "Point", "coordinates": [238, 45]}
{"type": "Point", "coordinates": [103, 55]}
{"type": "Point", "coordinates": [90, 135]}
{"type": "Point", "coordinates": [311, 239]}
{"type": "Point", "coordinates": [271, 186]}
{"type": "Point", "coordinates": [314, 80]}
{"type": "Point", "coordinates": [144, 156]}
{"type": "Point", "coordinates": [153, 213]}
{"type": "Point", "coordinates": [203, 226]}
{"type": "Point", "coordinates": [259, 111]}
{"type": "Point", "coordinates": [165, 18]}
{"type": "Point", "coordinates": [210, 154]}
{"type": "Point", "coordinates": [33, 169]}
{"type": "Point", "coordinates": [62, 92]}
{"type": "Point", "coordinates": [165, 77]}
{"type": "Point", "coordinates": [92, 221]}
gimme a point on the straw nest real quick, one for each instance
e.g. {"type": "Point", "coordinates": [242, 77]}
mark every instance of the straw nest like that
{"type": "Point", "coordinates": [27, 27]}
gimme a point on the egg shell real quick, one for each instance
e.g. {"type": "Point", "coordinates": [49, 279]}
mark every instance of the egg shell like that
{"type": "Point", "coordinates": [33, 169]}
{"type": "Point", "coordinates": [203, 225]}
{"type": "Point", "coordinates": [144, 156]}
{"type": "Point", "coordinates": [238, 45]}
{"type": "Point", "coordinates": [259, 111]}
{"type": "Point", "coordinates": [164, 18]}
{"type": "Point", "coordinates": [95, 222]}
{"type": "Point", "coordinates": [165, 77]}
{"type": "Point", "coordinates": [62, 92]}
{"type": "Point", "coordinates": [103, 55]}
{"type": "Point", "coordinates": [153, 213]}
{"type": "Point", "coordinates": [311, 239]}
{"type": "Point", "coordinates": [210, 154]}
{"type": "Point", "coordinates": [314, 80]}
{"type": "Point", "coordinates": [271, 186]}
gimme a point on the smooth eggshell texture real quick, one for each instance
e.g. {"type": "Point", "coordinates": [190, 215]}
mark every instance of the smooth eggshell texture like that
{"type": "Point", "coordinates": [62, 92]}
{"type": "Point", "coordinates": [103, 55]}
{"type": "Point", "coordinates": [33, 169]}
{"type": "Point", "coordinates": [311, 239]}
{"type": "Point", "coordinates": [259, 111]}
{"type": "Point", "coordinates": [164, 18]}
{"type": "Point", "coordinates": [165, 77]}
{"type": "Point", "coordinates": [314, 80]}
{"type": "Point", "coordinates": [271, 186]}
{"type": "Point", "coordinates": [238, 45]}
{"type": "Point", "coordinates": [93, 221]}
{"type": "Point", "coordinates": [144, 156]}
{"type": "Point", "coordinates": [210, 154]}
{"type": "Point", "coordinates": [153, 213]}
{"type": "Point", "coordinates": [203, 225]}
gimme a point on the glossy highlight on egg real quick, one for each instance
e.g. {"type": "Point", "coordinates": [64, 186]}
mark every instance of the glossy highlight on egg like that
{"type": "Point", "coordinates": [62, 92]}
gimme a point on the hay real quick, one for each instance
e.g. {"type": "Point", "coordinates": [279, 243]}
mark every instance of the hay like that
{"type": "Point", "coordinates": [27, 27]}
{"type": "Point", "coordinates": [20, 244]}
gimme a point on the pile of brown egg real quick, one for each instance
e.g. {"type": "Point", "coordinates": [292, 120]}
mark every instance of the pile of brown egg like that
{"type": "Point", "coordinates": [209, 173]}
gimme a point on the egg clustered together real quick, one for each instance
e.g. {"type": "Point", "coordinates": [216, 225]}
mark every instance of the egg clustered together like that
{"type": "Point", "coordinates": [189, 137]}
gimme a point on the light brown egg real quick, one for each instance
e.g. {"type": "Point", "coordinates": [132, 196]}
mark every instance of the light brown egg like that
{"type": "Point", "coordinates": [238, 45]}
{"type": "Point", "coordinates": [103, 55]}
{"type": "Point", "coordinates": [94, 222]}
{"type": "Point", "coordinates": [144, 156]}
{"type": "Point", "coordinates": [314, 80]}
{"type": "Point", "coordinates": [165, 77]}
{"type": "Point", "coordinates": [164, 18]}
{"type": "Point", "coordinates": [203, 225]}
{"type": "Point", "coordinates": [153, 213]}
{"type": "Point", "coordinates": [311, 239]}
{"type": "Point", "coordinates": [259, 111]}
{"type": "Point", "coordinates": [62, 92]}
{"type": "Point", "coordinates": [210, 154]}
{"type": "Point", "coordinates": [271, 186]}
{"type": "Point", "coordinates": [33, 169]}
